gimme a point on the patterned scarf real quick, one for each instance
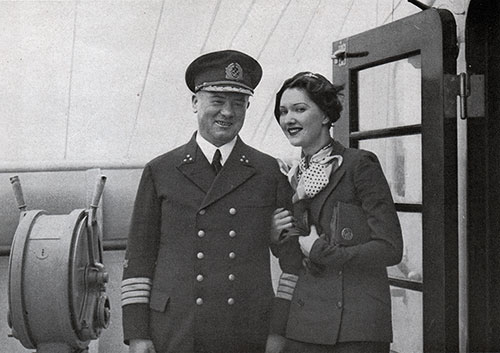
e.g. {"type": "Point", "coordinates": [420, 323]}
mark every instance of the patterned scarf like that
{"type": "Point", "coordinates": [309, 177]}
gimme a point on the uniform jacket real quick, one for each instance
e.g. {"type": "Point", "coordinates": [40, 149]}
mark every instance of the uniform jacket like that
{"type": "Point", "coordinates": [350, 299]}
{"type": "Point", "coordinates": [197, 272]}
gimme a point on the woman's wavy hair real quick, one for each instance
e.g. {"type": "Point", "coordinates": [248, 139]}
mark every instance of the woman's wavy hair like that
{"type": "Point", "coordinates": [320, 91]}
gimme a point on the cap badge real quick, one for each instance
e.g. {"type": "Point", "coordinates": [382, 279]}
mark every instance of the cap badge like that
{"type": "Point", "coordinates": [234, 72]}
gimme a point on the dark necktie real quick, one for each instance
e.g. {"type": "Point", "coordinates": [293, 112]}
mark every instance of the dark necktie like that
{"type": "Point", "coordinates": [216, 162]}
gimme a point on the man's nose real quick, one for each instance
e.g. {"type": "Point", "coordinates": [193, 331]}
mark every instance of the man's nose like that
{"type": "Point", "coordinates": [227, 110]}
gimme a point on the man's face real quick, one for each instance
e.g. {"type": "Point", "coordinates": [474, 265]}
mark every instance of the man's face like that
{"type": "Point", "coordinates": [220, 115]}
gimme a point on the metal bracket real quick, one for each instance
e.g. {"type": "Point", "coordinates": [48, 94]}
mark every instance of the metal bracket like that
{"type": "Point", "coordinates": [470, 90]}
{"type": "Point", "coordinates": [340, 55]}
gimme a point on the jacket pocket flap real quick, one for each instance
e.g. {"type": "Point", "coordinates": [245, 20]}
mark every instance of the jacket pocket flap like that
{"type": "Point", "coordinates": [158, 300]}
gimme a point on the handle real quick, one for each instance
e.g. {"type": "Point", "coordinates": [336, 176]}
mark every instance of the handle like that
{"type": "Point", "coordinates": [99, 188]}
{"type": "Point", "coordinates": [18, 192]}
{"type": "Point", "coordinates": [93, 237]}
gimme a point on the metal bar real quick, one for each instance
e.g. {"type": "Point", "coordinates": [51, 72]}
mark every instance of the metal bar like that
{"type": "Point", "coordinates": [389, 132]}
{"type": "Point", "coordinates": [409, 207]}
{"type": "Point", "coordinates": [401, 283]}
{"type": "Point", "coordinates": [64, 166]}
{"type": "Point", "coordinates": [420, 5]}
{"type": "Point", "coordinates": [115, 244]}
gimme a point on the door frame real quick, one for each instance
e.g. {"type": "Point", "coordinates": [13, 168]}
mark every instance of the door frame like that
{"type": "Point", "coordinates": [432, 34]}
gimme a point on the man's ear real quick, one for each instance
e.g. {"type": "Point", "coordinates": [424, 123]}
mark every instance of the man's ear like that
{"type": "Point", "coordinates": [194, 103]}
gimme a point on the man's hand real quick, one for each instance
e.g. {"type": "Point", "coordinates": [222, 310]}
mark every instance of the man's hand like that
{"type": "Point", "coordinates": [275, 343]}
{"type": "Point", "coordinates": [282, 220]}
{"type": "Point", "coordinates": [141, 346]}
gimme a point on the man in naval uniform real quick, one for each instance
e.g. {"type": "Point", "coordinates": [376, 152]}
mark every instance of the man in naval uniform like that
{"type": "Point", "coordinates": [197, 273]}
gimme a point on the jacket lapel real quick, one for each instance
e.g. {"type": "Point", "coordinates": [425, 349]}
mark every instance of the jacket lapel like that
{"type": "Point", "coordinates": [335, 177]}
{"type": "Point", "coordinates": [237, 169]}
{"type": "Point", "coordinates": [194, 165]}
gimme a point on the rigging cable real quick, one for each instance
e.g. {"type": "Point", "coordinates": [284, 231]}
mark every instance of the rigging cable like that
{"type": "Point", "coordinates": [70, 84]}
{"type": "Point", "coordinates": [139, 105]}
{"type": "Point", "coordinates": [249, 10]}
{"type": "Point", "coordinates": [212, 21]}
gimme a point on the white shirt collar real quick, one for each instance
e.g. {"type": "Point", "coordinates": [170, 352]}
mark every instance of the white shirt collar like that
{"type": "Point", "coordinates": [208, 149]}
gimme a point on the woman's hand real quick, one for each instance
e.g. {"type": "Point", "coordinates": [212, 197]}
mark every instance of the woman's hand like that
{"type": "Point", "coordinates": [141, 346]}
{"type": "Point", "coordinates": [275, 343]}
{"type": "Point", "coordinates": [307, 242]}
{"type": "Point", "coordinates": [282, 220]}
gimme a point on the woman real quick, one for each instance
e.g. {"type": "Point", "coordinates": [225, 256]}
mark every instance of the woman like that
{"type": "Point", "coordinates": [333, 295]}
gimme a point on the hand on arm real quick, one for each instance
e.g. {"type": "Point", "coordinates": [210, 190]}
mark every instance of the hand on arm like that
{"type": "Point", "coordinates": [307, 242]}
{"type": "Point", "coordinates": [275, 343]}
{"type": "Point", "coordinates": [282, 220]}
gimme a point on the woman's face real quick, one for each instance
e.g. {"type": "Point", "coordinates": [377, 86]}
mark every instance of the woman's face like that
{"type": "Point", "coordinates": [303, 122]}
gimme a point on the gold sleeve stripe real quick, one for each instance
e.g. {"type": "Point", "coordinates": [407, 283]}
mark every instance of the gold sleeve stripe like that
{"type": "Point", "coordinates": [136, 290]}
{"type": "Point", "coordinates": [138, 300]}
{"type": "Point", "coordinates": [136, 296]}
{"type": "Point", "coordinates": [136, 293]}
{"type": "Point", "coordinates": [132, 287]}
{"type": "Point", "coordinates": [283, 295]}
{"type": "Point", "coordinates": [289, 276]}
{"type": "Point", "coordinates": [137, 280]}
{"type": "Point", "coordinates": [286, 286]}
{"type": "Point", "coordinates": [286, 289]}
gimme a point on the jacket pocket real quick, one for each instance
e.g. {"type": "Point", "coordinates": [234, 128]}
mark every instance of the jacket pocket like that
{"type": "Point", "coordinates": [158, 300]}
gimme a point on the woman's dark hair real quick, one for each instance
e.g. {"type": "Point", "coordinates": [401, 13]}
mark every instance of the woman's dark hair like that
{"type": "Point", "coordinates": [319, 90]}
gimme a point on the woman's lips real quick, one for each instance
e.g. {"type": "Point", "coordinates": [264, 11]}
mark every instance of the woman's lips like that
{"type": "Point", "coordinates": [294, 130]}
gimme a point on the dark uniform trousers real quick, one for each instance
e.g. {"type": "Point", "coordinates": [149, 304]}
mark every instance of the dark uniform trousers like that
{"type": "Point", "coordinates": [197, 272]}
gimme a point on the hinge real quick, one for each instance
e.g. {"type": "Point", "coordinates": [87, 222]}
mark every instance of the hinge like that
{"type": "Point", "coordinates": [470, 91]}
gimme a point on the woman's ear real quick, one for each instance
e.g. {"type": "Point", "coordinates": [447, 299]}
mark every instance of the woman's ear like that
{"type": "Point", "coordinates": [326, 120]}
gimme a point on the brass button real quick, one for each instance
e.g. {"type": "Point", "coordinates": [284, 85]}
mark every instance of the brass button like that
{"type": "Point", "coordinates": [231, 277]}
{"type": "Point", "coordinates": [232, 255]}
{"type": "Point", "coordinates": [202, 212]}
{"type": "Point", "coordinates": [232, 211]}
{"type": "Point", "coordinates": [200, 255]}
{"type": "Point", "coordinates": [230, 301]}
{"type": "Point", "coordinates": [199, 301]}
{"type": "Point", "coordinates": [201, 233]}
{"type": "Point", "coordinates": [232, 233]}
{"type": "Point", "coordinates": [199, 278]}
{"type": "Point", "coordinates": [339, 304]}
{"type": "Point", "coordinates": [340, 273]}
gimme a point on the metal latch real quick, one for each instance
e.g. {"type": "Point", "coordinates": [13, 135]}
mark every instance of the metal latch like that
{"type": "Point", "coordinates": [341, 54]}
{"type": "Point", "coordinates": [470, 91]}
